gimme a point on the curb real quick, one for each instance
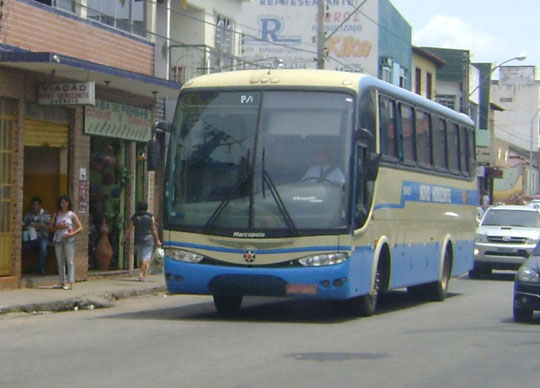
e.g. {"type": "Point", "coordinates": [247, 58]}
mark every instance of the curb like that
{"type": "Point", "coordinates": [102, 300]}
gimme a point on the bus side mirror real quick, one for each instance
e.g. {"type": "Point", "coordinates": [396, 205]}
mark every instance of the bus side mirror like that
{"type": "Point", "coordinates": [364, 137]}
{"type": "Point", "coordinates": [371, 169]}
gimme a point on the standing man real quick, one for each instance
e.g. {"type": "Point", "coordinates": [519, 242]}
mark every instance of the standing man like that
{"type": "Point", "coordinates": [36, 223]}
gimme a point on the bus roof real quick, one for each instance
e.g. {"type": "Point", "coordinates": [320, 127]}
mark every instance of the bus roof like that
{"type": "Point", "coordinates": [313, 78]}
{"type": "Point", "coordinates": [278, 77]}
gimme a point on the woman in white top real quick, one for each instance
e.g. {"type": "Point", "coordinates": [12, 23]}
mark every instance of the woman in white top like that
{"type": "Point", "coordinates": [65, 225]}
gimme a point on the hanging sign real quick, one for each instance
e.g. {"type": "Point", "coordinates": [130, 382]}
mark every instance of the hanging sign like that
{"type": "Point", "coordinates": [120, 121]}
{"type": "Point", "coordinates": [67, 93]}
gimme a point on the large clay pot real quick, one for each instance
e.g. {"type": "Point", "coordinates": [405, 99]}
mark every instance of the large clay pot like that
{"type": "Point", "coordinates": [104, 250]}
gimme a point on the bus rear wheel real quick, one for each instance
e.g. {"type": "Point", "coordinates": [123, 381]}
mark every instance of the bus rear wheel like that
{"type": "Point", "coordinates": [438, 290]}
{"type": "Point", "coordinates": [227, 305]}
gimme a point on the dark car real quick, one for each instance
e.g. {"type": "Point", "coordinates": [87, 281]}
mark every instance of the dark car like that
{"type": "Point", "coordinates": [527, 288]}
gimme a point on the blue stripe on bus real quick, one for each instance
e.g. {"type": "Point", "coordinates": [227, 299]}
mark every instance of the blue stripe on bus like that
{"type": "Point", "coordinates": [427, 193]}
{"type": "Point", "coordinates": [258, 251]}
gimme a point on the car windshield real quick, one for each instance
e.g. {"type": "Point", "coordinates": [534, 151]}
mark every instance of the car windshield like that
{"type": "Point", "coordinates": [275, 160]}
{"type": "Point", "coordinates": [504, 217]}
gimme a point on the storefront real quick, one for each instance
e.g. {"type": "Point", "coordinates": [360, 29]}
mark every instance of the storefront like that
{"type": "Point", "coordinates": [115, 131]}
{"type": "Point", "coordinates": [65, 145]}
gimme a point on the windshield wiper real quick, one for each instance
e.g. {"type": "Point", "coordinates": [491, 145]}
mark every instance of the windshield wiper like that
{"type": "Point", "coordinates": [266, 179]}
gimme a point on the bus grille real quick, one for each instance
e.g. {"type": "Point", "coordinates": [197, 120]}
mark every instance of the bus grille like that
{"type": "Point", "coordinates": [256, 285]}
{"type": "Point", "coordinates": [252, 244]}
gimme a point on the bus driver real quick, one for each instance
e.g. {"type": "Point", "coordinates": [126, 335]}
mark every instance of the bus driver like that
{"type": "Point", "coordinates": [324, 170]}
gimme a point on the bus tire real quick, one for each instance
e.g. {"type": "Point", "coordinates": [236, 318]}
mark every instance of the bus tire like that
{"type": "Point", "coordinates": [438, 290]}
{"type": "Point", "coordinates": [366, 305]}
{"type": "Point", "coordinates": [435, 291]}
{"type": "Point", "coordinates": [227, 305]}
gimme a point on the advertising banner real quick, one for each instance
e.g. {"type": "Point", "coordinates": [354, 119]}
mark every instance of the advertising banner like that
{"type": "Point", "coordinates": [118, 120]}
{"type": "Point", "coordinates": [285, 31]}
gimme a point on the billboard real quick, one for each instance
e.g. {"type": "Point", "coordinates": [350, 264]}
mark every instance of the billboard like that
{"type": "Point", "coordinates": [285, 31]}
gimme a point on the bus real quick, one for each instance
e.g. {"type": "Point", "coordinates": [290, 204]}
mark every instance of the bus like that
{"type": "Point", "coordinates": [250, 210]}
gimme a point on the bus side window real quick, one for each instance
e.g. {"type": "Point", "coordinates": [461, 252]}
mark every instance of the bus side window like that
{"type": "Point", "coordinates": [463, 151]}
{"type": "Point", "coordinates": [439, 143]}
{"type": "Point", "coordinates": [453, 147]}
{"type": "Point", "coordinates": [387, 127]}
{"type": "Point", "coordinates": [368, 114]}
{"type": "Point", "coordinates": [423, 138]}
{"type": "Point", "coordinates": [407, 133]}
{"type": "Point", "coordinates": [471, 145]}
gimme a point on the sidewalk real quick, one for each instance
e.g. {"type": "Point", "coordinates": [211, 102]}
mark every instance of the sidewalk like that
{"type": "Point", "coordinates": [89, 294]}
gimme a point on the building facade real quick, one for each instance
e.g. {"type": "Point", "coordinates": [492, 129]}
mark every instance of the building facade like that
{"type": "Point", "coordinates": [424, 72]}
{"type": "Point", "coordinates": [518, 92]}
{"type": "Point", "coordinates": [360, 36]}
{"type": "Point", "coordinates": [77, 98]}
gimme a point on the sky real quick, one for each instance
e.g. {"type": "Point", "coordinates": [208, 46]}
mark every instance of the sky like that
{"type": "Point", "coordinates": [493, 30]}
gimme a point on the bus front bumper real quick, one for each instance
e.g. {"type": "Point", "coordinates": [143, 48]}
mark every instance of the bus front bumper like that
{"type": "Point", "coordinates": [328, 282]}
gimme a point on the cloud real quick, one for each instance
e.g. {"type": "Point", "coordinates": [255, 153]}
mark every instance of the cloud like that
{"type": "Point", "coordinates": [450, 32]}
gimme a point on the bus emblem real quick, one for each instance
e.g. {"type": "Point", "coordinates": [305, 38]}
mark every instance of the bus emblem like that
{"type": "Point", "coordinates": [249, 256]}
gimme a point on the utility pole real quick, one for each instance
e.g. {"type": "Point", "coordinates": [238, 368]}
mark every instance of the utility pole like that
{"type": "Point", "coordinates": [320, 34]}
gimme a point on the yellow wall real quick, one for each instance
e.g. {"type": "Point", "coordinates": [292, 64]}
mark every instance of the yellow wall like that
{"type": "Point", "coordinates": [426, 66]}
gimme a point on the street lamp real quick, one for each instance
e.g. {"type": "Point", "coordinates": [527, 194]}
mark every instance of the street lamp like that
{"type": "Point", "coordinates": [531, 164]}
{"type": "Point", "coordinates": [520, 57]}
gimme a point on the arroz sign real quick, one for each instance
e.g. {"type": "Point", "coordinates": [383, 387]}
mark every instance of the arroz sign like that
{"type": "Point", "coordinates": [67, 93]}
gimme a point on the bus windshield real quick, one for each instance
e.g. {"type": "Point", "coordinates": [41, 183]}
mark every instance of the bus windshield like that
{"type": "Point", "coordinates": [273, 162]}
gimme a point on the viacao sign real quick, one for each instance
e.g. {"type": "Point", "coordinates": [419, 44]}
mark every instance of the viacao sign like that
{"type": "Point", "coordinates": [67, 93]}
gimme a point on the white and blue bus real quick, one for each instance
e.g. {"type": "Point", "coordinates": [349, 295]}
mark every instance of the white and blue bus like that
{"type": "Point", "coordinates": [315, 184]}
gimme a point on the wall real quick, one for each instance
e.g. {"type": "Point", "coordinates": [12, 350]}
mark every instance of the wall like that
{"type": "Point", "coordinates": [518, 93]}
{"type": "Point", "coordinates": [36, 27]}
{"type": "Point", "coordinates": [426, 66]}
{"type": "Point", "coordinates": [394, 38]}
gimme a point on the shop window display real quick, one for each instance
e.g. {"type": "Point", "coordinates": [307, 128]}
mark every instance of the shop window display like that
{"type": "Point", "coordinates": [108, 180]}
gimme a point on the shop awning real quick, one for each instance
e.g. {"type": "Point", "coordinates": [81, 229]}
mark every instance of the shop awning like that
{"type": "Point", "coordinates": [80, 70]}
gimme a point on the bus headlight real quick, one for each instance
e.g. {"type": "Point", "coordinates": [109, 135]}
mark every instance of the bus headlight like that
{"type": "Point", "coordinates": [526, 274]}
{"type": "Point", "coordinates": [185, 256]}
{"type": "Point", "coordinates": [322, 260]}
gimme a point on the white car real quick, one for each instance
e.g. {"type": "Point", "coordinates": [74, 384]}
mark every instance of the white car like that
{"type": "Point", "coordinates": [505, 237]}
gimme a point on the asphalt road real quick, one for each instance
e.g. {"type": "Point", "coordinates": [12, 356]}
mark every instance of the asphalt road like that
{"type": "Point", "coordinates": [469, 340]}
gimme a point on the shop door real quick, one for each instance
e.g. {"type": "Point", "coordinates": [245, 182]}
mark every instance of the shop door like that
{"type": "Point", "coordinates": [45, 174]}
{"type": "Point", "coordinates": [6, 184]}
{"type": "Point", "coordinates": [46, 159]}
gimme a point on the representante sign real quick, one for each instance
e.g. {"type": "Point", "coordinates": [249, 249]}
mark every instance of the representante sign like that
{"type": "Point", "coordinates": [120, 121]}
{"type": "Point", "coordinates": [287, 31]}
{"type": "Point", "coordinates": [67, 93]}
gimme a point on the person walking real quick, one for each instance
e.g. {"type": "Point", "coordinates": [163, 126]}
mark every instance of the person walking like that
{"type": "Point", "coordinates": [146, 236]}
{"type": "Point", "coordinates": [65, 224]}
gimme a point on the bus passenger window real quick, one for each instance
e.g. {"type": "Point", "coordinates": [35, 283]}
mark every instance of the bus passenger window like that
{"type": "Point", "coordinates": [423, 138]}
{"type": "Point", "coordinates": [387, 125]}
{"type": "Point", "coordinates": [463, 151]}
{"type": "Point", "coordinates": [407, 131]}
{"type": "Point", "coordinates": [453, 147]}
{"type": "Point", "coordinates": [439, 143]}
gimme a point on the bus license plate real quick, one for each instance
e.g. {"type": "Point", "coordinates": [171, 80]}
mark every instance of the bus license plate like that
{"type": "Point", "coordinates": [306, 289]}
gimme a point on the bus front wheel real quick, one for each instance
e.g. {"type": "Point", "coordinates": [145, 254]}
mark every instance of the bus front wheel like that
{"type": "Point", "coordinates": [227, 305]}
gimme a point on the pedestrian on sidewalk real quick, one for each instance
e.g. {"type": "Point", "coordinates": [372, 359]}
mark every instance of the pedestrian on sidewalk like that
{"type": "Point", "coordinates": [146, 236]}
{"type": "Point", "coordinates": [36, 223]}
{"type": "Point", "coordinates": [65, 225]}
